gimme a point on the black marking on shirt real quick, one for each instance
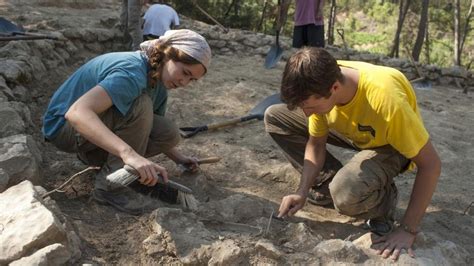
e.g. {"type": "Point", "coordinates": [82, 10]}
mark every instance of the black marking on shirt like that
{"type": "Point", "coordinates": [366, 128]}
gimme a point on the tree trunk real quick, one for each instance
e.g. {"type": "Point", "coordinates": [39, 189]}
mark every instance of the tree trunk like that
{"type": "Point", "coordinates": [457, 52]}
{"type": "Point", "coordinates": [232, 4]}
{"type": "Point", "coordinates": [401, 18]}
{"type": "Point", "coordinates": [420, 37]}
{"type": "Point", "coordinates": [427, 45]}
{"type": "Point", "coordinates": [332, 20]}
{"type": "Point", "coordinates": [263, 15]}
{"type": "Point", "coordinates": [466, 26]}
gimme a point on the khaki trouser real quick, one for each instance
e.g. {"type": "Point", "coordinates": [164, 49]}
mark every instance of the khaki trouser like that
{"type": "Point", "coordinates": [362, 188]}
{"type": "Point", "coordinates": [146, 133]}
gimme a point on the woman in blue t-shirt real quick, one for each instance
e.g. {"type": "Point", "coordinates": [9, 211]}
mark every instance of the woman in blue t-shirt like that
{"type": "Point", "coordinates": [111, 110]}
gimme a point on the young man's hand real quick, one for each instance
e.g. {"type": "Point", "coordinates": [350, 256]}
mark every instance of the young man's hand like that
{"type": "Point", "coordinates": [392, 244]}
{"type": "Point", "coordinates": [290, 204]}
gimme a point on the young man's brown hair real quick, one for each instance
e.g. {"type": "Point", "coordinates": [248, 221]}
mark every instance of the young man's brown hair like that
{"type": "Point", "coordinates": [310, 71]}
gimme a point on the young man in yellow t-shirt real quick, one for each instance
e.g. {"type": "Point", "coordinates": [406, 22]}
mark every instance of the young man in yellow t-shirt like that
{"type": "Point", "coordinates": [370, 109]}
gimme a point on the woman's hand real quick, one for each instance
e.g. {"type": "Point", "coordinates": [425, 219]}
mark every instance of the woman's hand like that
{"type": "Point", "coordinates": [190, 163]}
{"type": "Point", "coordinates": [147, 169]}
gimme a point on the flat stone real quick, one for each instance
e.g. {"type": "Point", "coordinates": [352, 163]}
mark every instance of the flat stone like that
{"type": "Point", "coordinates": [266, 248]}
{"type": "Point", "coordinates": [55, 254]}
{"type": "Point", "coordinates": [27, 224]}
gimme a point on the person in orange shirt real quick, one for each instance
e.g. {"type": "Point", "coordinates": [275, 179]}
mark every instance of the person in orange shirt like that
{"type": "Point", "coordinates": [367, 108]}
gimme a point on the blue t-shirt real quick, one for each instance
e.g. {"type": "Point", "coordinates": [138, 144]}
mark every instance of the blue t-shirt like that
{"type": "Point", "coordinates": [123, 75]}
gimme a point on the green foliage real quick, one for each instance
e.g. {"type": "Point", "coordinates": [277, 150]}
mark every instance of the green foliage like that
{"type": "Point", "coordinates": [368, 25]}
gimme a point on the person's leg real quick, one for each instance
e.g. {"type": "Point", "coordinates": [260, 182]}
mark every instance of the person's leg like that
{"type": "Point", "coordinates": [134, 23]}
{"type": "Point", "coordinates": [315, 35]}
{"type": "Point", "coordinates": [289, 129]}
{"type": "Point", "coordinates": [364, 187]}
{"type": "Point", "coordinates": [133, 128]}
{"type": "Point", "coordinates": [298, 36]}
{"type": "Point", "coordinates": [68, 140]}
{"type": "Point", "coordinates": [164, 136]}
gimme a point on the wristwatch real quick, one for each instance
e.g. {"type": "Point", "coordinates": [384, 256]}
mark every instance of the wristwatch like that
{"type": "Point", "coordinates": [409, 229]}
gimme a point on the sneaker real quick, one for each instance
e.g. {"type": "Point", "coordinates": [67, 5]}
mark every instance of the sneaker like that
{"type": "Point", "coordinates": [159, 191]}
{"type": "Point", "coordinates": [384, 225]}
{"type": "Point", "coordinates": [118, 200]}
{"type": "Point", "coordinates": [379, 227]}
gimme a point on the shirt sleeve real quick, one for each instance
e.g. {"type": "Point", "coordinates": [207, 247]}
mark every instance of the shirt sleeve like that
{"type": "Point", "coordinates": [318, 125]}
{"type": "Point", "coordinates": [176, 19]}
{"type": "Point", "coordinates": [406, 132]}
{"type": "Point", "coordinates": [123, 88]}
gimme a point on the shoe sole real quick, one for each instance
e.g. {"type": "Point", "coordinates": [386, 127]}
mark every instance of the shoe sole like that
{"type": "Point", "coordinates": [116, 206]}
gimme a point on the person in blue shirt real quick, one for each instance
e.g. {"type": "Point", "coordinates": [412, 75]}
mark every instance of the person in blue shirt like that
{"type": "Point", "coordinates": [111, 110]}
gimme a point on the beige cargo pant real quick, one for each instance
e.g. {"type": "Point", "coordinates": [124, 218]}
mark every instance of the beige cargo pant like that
{"type": "Point", "coordinates": [148, 134]}
{"type": "Point", "coordinates": [364, 187]}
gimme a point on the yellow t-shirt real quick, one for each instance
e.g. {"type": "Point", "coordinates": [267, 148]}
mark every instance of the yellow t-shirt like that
{"type": "Point", "coordinates": [383, 111]}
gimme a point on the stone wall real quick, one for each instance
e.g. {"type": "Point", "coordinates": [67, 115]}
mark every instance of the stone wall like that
{"type": "Point", "coordinates": [249, 43]}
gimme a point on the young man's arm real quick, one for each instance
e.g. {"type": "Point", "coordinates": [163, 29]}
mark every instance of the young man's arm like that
{"type": "Point", "coordinates": [314, 157]}
{"type": "Point", "coordinates": [429, 168]}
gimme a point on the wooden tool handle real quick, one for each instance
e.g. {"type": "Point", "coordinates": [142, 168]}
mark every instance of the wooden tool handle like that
{"type": "Point", "coordinates": [214, 159]}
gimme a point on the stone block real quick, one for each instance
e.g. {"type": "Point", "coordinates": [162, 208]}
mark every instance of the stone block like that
{"type": "Point", "coordinates": [20, 158]}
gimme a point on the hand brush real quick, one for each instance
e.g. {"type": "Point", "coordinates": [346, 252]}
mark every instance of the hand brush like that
{"type": "Point", "coordinates": [126, 175]}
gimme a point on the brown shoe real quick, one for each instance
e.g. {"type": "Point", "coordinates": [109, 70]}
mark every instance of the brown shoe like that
{"type": "Point", "coordinates": [320, 194]}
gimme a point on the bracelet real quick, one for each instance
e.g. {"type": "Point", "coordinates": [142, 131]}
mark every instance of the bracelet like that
{"type": "Point", "coordinates": [408, 229]}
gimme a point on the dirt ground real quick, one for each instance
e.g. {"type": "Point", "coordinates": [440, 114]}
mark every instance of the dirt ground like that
{"type": "Point", "coordinates": [252, 172]}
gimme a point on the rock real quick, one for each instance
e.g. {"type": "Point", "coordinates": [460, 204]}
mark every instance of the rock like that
{"type": "Point", "coordinates": [11, 121]}
{"type": "Point", "coordinates": [20, 158]}
{"type": "Point", "coordinates": [14, 49]}
{"type": "Point", "coordinates": [94, 47]}
{"type": "Point", "coordinates": [217, 43]}
{"type": "Point", "coordinates": [153, 245]}
{"type": "Point", "coordinates": [299, 237]}
{"type": "Point", "coordinates": [55, 254]}
{"type": "Point", "coordinates": [337, 250]}
{"type": "Point", "coordinates": [4, 178]}
{"type": "Point", "coordinates": [266, 248]}
{"type": "Point", "coordinates": [226, 253]}
{"type": "Point", "coordinates": [23, 110]}
{"type": "Point", "coordinates": [104, 35]}
{"type": "Point", "coordinates": [15, 71]}
{"type": "Point", "coordinates": [236, 208]}
{"type": "Point", "coordinates": [455, 71]}
{"type": "Point", "coordinates": [429, 250]}
{"type": "Point", "coordinates": [371, 58]}
{"type": "Point", "coordinates": [179, 232]}
{"type": "Point", "coordinates": [5, 91]}
{"type": "Point", "coordinates": [394, 62]}
{"type": "Point", "coordinates": [28, 226]}
{"type": "Point", "coordinates": [20, 93]}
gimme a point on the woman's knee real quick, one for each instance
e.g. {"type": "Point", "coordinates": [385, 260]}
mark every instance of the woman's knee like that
{"type": "Point", "coordinates": [164, 135]}
{"type": "Point", "coordinates": [142, 109]}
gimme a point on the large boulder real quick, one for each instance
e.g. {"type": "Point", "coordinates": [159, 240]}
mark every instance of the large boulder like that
{"type": "Point", "coordinates": [31, 230]}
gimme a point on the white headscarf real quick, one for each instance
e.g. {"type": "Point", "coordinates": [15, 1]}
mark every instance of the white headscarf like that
{"type": "Point", "coordinates": [188, 41]}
